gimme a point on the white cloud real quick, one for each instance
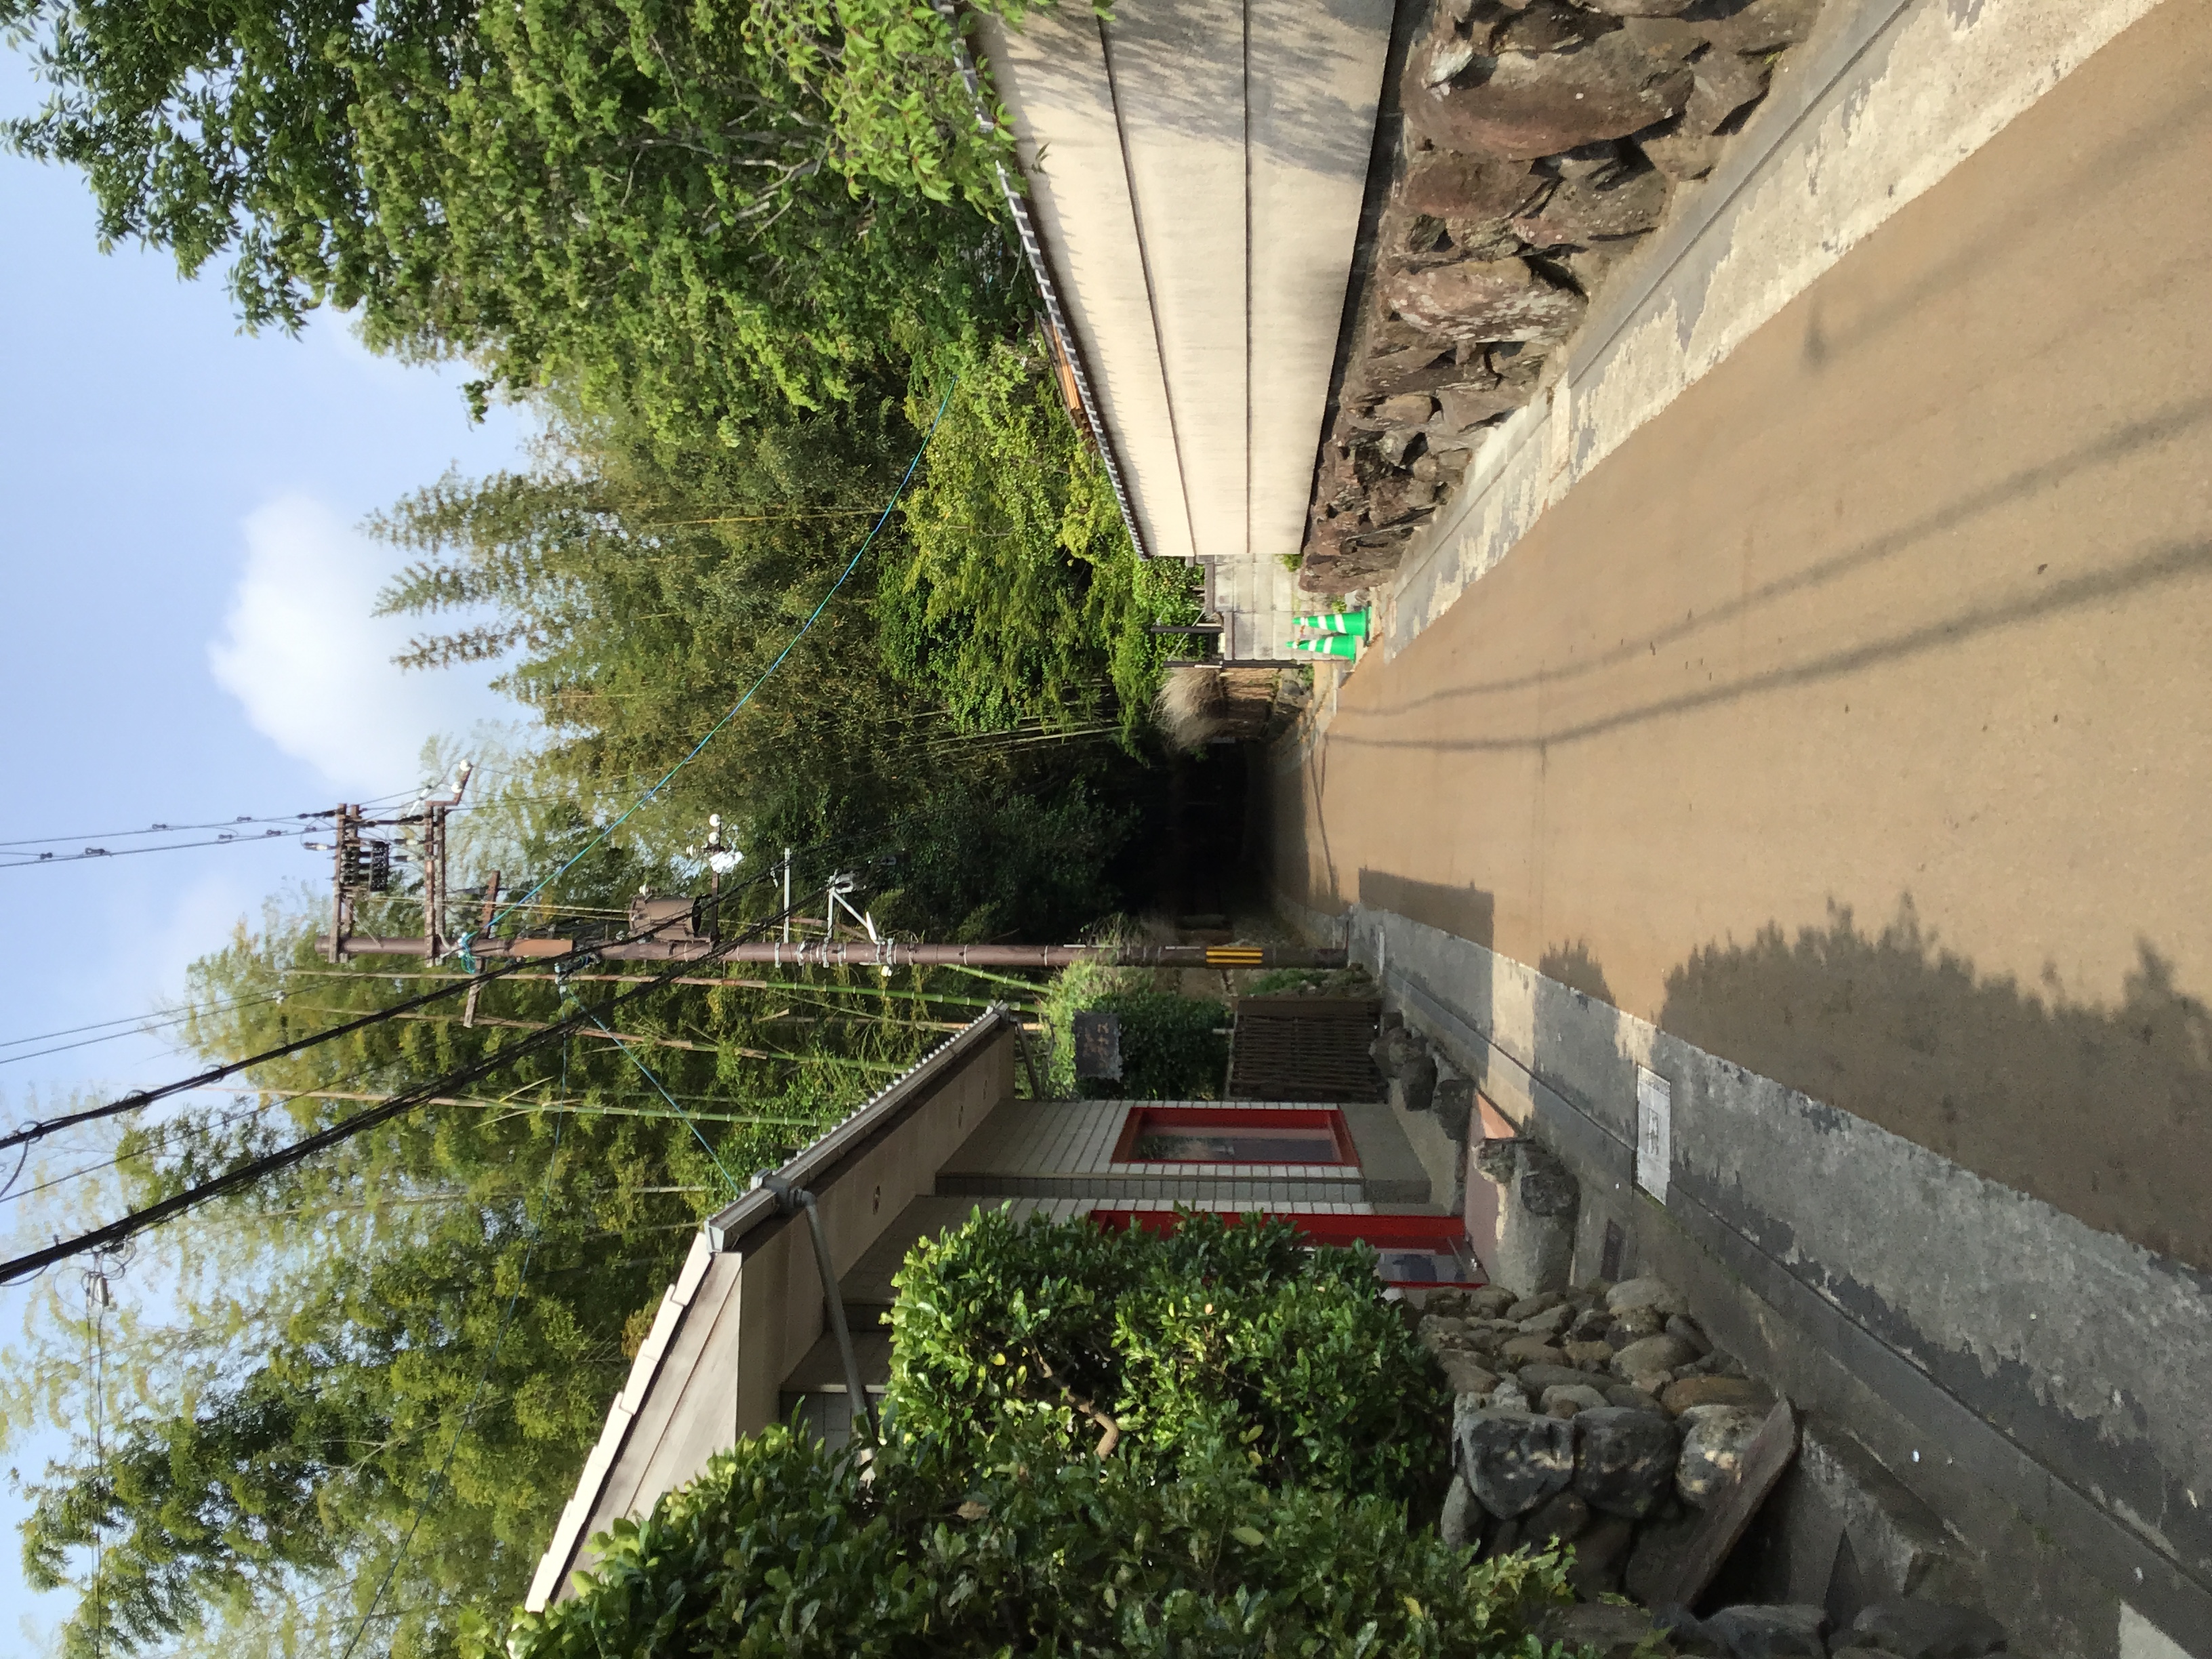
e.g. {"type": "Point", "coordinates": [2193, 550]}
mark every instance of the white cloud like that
{"type": "Point", "coordinates": [312, 667]}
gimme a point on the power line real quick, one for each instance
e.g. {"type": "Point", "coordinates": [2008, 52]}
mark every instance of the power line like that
{"type": "Point", "coordinates": [142, 1097]}
{"type": "Point", "coordinates": [255, 1170]}
{"type": "Point", "coordinates": [153, 1020]}
{"type": "Point", "coordinates": [39, 1129]}
{"type": "Point", "coordinates": [44, 860]}
{"type": "Point", "coordinates": [158, 829]}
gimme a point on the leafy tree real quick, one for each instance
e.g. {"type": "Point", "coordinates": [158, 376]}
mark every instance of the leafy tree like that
{"type": "Point", "coordinates": [678, 206]}
{"type": "Point", "coordinates": [644, 588]}
{"type": "Point", "coordinates": [399, 1354]}
{"type": "Point", "coordinates": [1016, 594]}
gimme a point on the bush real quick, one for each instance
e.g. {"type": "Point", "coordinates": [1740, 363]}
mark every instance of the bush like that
{"type": "Point", "coordinates": [784, 1549]}
{"type": "Point", "coordinates": [1226, 1331]}
{"type": "Point", "coordinates": [1015, 595]}
{"type": "Point", "coordinates": [1170, 1050]}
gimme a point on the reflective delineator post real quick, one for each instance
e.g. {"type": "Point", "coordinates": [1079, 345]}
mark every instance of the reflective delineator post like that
{"type": "Point", "coordinates": [1329, 645]}
{"type": "Point", "coordinates": [1353, 623]}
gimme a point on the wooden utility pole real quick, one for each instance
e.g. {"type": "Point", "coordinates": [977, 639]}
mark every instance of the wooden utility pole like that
{"type": "Point", "coordinates": [670, 946]}
{"type": "Point", "coordinates": [684, 929]}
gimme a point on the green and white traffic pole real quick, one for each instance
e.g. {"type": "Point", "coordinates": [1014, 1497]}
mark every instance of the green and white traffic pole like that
{"type": "Point", "coordinates": [1351, 623]}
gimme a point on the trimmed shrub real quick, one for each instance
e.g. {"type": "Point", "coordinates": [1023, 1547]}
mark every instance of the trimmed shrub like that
{"type": "Point", "coordinates": [1168, 1049]}
{"type": "Point", "coordinates": [1230, 1331]}
{"type": "Point", "coordinates": [783, 1548]}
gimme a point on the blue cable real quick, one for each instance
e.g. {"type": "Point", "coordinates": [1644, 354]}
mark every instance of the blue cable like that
{"type": "Point", "coordinates": [851, 565]}
{"type": "Point", "coordinates": [696, 1131]}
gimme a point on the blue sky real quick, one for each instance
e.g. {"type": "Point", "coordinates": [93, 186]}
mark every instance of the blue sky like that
{"type": "Point", "coordinates": [185, 634]}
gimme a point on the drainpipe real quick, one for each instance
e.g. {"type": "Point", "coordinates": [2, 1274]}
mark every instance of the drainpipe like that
{"type": "Point", "coordinates": [789, 1199]}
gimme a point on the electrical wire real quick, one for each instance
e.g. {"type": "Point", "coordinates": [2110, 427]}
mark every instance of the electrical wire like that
{"type": "Point", "coordinates": [165, 829]}
{"type": "Point", "coordinates": [484, 1377]}
{"type": "Point", "coordinates": [44, 859]}
{"type": "Point", "coordinates": [697, 1133]}
{"type": "Point", "coordinates": [139, 1027]}
{"type": "Point", "coordinates": [144, 1097]}
{"type": "Point", "coordinates": [39, 1130]}
{"type": "Point", "coordinates": [298, 1151]}
{"type": "Point", "coordinates": [162, 1130]}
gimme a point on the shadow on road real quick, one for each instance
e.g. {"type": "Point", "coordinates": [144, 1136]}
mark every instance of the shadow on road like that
{"type": "Point", "coordinates": [2103, 1112]}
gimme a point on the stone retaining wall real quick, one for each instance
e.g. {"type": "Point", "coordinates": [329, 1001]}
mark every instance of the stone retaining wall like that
{"type": "Point", "coordinates": [1542, 143]}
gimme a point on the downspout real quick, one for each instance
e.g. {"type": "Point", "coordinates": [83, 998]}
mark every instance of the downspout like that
{"type": "Point", "coordinates": [789, 1199]}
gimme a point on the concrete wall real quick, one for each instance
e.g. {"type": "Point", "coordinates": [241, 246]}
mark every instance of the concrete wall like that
{"type": "Point", "coordinates": [1196, 171]}
{"type": "Point", "coordinates": [781, 1313]}
{"type": "Point", "coordinates": [2041, 1385]}
{"type": "Point", "coordinates": [744, 1311]}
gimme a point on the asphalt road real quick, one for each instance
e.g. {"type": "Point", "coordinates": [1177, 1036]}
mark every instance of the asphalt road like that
{"type": "Point", "coordinates": [1853, 720]}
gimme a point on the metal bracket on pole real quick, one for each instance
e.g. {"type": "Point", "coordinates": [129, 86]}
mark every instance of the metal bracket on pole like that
{"type": "Point", "coordinates": [790, 1200]}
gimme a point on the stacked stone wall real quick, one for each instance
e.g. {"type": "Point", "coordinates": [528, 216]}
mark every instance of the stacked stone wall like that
{"type": "Point", "coordinates": [1542, 143]}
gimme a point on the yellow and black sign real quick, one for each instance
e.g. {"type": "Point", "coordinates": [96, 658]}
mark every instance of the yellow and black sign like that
{"type": "Point", "coordinates": [1234, 956]}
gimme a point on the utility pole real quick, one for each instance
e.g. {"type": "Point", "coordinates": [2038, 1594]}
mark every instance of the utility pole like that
{"type": "Point", "coordinates": [684, 929]}
{"type": "Point", "coordinates": [679, 941]}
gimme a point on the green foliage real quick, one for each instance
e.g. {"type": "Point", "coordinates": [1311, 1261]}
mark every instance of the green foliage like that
{"type": "Point", "coordinates": [783, 1548]}
{"type": "Point", "coordinates": [1016, 595]}
{"type": "Point", "coordinates": [635, 196]}
{"type": "Point", "coordinates": [284, 1428]}
{"type": "Point", "coordinates": [1216, 1330]}
{"type": "Point", "coordinates": [644, 587]}
{"type": "Point", "coordinates": [1170, 1050]}
{"type": "Point", "coordinates": [885, 71]}
{"type": "Point", "coordinates": [1353, 981]}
